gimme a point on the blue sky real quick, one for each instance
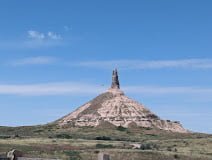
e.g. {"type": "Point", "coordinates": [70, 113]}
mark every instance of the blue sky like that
{"type": "Point", "coordinates": [57, 55]}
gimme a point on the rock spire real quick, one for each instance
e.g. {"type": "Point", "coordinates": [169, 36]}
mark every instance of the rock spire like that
{"type": "Point", "coordinates": [115, 80]}
{"type": "Point", "coordinates": [113, 107]}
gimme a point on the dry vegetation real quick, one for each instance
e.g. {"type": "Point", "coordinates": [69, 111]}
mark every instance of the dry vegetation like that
{"type": "Point", "coordinates": [85, 143]}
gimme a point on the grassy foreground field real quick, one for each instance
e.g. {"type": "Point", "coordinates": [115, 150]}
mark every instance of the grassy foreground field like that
{"type": "Point", "coordinates": [85, 143]}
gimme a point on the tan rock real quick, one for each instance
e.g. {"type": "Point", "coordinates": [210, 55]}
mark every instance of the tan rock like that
{"type": "Point", "coordinates": [117, 109]}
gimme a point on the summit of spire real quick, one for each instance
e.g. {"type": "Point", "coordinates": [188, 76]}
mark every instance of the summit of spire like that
{"type": "Point", "coordinates": [115, 80]}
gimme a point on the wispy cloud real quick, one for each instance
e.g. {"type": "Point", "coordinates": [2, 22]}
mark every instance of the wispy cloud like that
{"type": "Point", "coordinates": [122, 64]}
{"type": "Point", "coordinates": [74, 88]}
{"type": "Point", "coordinates": [36, 35]}
{"type": "Point", "coordinates": [34, 39]}
{"type": "Point", "coordinates": [148, 64]}
{"type": "Point", "coordinates": [54, 36]}
{"type": "Point", "coordinates": [64, 88]}
{"type": "Point", "coordinates": [39, 39]}
{"type": "Point", "coordinates": [39, 60]}
{"type": "Point", "coordinates": [167, 90]}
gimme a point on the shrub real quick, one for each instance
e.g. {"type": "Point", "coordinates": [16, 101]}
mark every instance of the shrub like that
{"type": "Point", "coordinates": [149, 146]}
{"type": "Point", "coordinates": [104, 146]}
{"type": "Point", "coordinates": [176, 156]}
{"type": "Point", "coordinates": [63, 136]}
{"type": "Point", "coordinates": [169, 148]}
{"type": "Point", "coordinates": [38, 130]}
{"type": "Point", "coordinates": [103, 138]}
{"type": "Point", "coordinates": [4, 137]}
{"type": "Point", "coordinates": [120, 128]}
{"type": "Point", "coordinates": [147, 128]}
{"type": "Point", "coordinates": [145, 146]}
{"type": "Point", "coordinates": [96, 152]}
{"type": "Point", "coordinates": [74, 155]}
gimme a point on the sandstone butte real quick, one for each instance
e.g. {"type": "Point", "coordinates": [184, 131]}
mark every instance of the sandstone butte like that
{"type": "Point", "coordinates": [114, 107]}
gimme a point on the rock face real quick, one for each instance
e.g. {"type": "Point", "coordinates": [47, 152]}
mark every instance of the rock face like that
{"type": "Point", "coordinates": [116, 108]}
{"type": "Point", "coordinates": [115, 80]}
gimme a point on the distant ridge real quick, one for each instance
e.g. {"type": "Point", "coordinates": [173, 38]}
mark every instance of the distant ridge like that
{"type": "Point", "coordinates": [117, 109]}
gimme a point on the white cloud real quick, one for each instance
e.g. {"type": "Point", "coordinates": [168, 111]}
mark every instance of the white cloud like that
{"type": "Point", "coordinates": [29, 44]}
{"type": "Point", "coordinates": [50, 89]}
{"type": "Point", "coordinates": [33, 61]}
{"type": "Point", "coordinates": [54, 36]}
{"type": "Point", "coordinates": [167, 90]}
{"type": "Point", "coordinates": [43, 36]}
{"type": "Point", "coordinates": [36, 35]}
{"type": "Point", "coordinates": [34, 39]}
{"type": "Point", "coordinates": [74, 88]}
{"type": "Point", "coordinates": [145, 64]}
{"type": "Point", "coordinates": [123, 64]}
{"type": "Point", "coordinates": [39, 39]}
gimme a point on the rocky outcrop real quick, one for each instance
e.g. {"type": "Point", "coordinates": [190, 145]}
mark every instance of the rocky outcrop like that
{"type": "Point", "coordinates": [116, 108]}
{"type": "Point", "coordinates": [14, 154]}
{"type": "Point", "coordinates": [115, 80]}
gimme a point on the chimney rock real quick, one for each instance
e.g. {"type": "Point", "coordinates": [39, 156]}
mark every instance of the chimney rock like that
{"type": "Point", "coordinates": [115, 80]}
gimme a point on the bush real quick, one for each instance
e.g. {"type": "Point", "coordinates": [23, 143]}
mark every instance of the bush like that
{"type": "Point", "coordinates": [103, 138]}
{"type": "Point", "coordinates": [63, 136]}
{"type": "Point", "coordinates": [73, 155]}
{"type": "Point", "coordinates": [145, 146]}
{"type": "Point", "coordinates": [120, 128]}
{"type": "Point", "coordinates": [96, 152]}
{"type": "Point", "coordinates": [104, 146]}
{"type": "Point", "coordinates": [169, 148]}
{"type": "Point", "coordinates": [4, 137]}
{"type": "Point", "coordinates": [176, 156]}
{"type": "Point", "coordinates": [149, 146]}
{"type": "Point", "coordinates": [38, 131]}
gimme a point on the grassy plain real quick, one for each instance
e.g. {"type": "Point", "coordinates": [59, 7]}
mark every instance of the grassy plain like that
{"type": "Point", "coordinates": [85, 143]}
